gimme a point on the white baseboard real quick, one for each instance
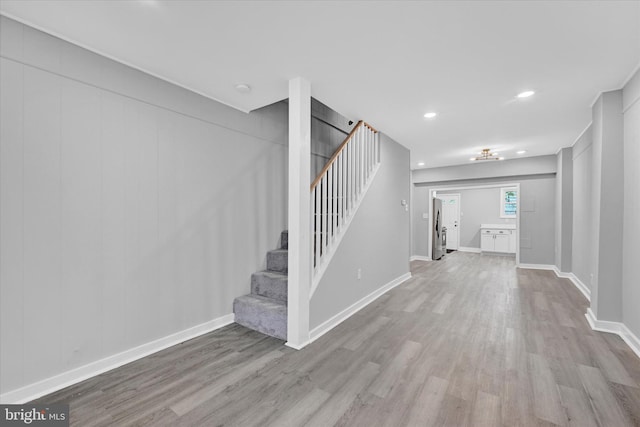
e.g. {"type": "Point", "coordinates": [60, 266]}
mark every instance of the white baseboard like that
{"type": "Point", "coordinates": [65, 379]}
{"type": "Point", "coordinates": [419, 258]}
{"type": "Point", "coordinates": [576, 282]}
{"type": "Point", "coordinates": [334, 321]}
{"type": "Point", "coordinates": [614, 328]}
{"type": "Point", "coordinates": [298, 346]}
{"type": "Point", "coordinates": [537, 266]}
{"type": "Point", "coordinates": [472, 250]}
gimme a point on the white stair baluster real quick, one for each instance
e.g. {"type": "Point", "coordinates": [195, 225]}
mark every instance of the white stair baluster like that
{"type": "Point", "coordinates": [323, 244]}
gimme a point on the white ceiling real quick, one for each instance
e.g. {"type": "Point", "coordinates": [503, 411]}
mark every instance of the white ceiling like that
{"type": "Point", "coordinates": [385, 62]}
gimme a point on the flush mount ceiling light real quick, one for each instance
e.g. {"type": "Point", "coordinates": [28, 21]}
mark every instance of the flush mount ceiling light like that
{"type": "Point", "coordinates": [243, 88]}
{"type": "Point", "coordinates": [521, 152]}
{"type": "Point", "coordinates": [430, 115]}
{"type": "Point", "coordinates": [420, 163]}
{"type": "Point", "coordinates": [486, 154]}
{"type": "Point", "coordinates": [525, 94]}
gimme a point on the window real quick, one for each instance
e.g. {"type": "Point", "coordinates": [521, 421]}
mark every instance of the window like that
{"type": "Point", "coordinates": [508, 202]}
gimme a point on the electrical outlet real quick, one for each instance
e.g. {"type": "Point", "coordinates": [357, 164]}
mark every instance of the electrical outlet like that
{"type": "Point", "coordinates": [359, 273]}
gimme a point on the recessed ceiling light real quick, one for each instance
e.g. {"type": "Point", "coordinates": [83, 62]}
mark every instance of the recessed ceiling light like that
{"type": "Point", "coordinates": [473, 159]}
{"type": "Point", "coordinates": [421, 164]}
{"type": "Point", "coordinates": [243, 88]}
{"type": "Point", "coordinates": [525, 94]}
{"type": "Point", "coordinates": [430, 115]}
{"type": "Point", "coordinates": [521, 152]}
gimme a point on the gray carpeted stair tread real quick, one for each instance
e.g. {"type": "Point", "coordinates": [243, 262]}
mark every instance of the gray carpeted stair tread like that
{"type": "Point", "coordinates": [270, 284]}
{"type": "Point", "coordinates": [262, 314]}
{"type": "Point", "coordinates": [277, 260]}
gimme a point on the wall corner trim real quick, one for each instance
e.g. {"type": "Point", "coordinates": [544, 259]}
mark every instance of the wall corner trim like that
{"type": "Point", "coordinates": [577, 283]}
{"type": "Point", "coordinates": [76, 375]}
{"type": "Point", "coordinates": [584, 290]}
{"type": "Point", "coordinates": [614, 328]}
{"type": "Point", "coordinates": [419, 258]}
{"type": "Point", "coordinates": [334, 321]}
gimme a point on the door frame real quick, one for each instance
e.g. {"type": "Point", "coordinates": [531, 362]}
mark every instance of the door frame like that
{"type": "Point", "coordinates": [434, 190]}
{"type": "Point", "coordinates": [459, 219]}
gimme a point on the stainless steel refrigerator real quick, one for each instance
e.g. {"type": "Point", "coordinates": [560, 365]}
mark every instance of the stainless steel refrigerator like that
{"type": "Point", "coordinates": [438, 248]}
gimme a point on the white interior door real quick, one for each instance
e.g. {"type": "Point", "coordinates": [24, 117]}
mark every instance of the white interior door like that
{"type": "Point", "coordinates": [451, 218]}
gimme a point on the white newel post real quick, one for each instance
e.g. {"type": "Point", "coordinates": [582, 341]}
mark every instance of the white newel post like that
{"type": "Point", "coordinates": [299, 213]}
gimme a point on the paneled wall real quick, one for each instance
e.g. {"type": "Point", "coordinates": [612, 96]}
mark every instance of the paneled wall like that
{"type": "Point", "coordinates": [131, 209]}
{"type": "Point", "coordinates": [582, 246]}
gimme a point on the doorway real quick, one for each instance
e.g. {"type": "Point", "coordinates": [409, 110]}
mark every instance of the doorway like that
{"type": "Point", "coordinates": [441, 192]}
{"type": "Point", "coordinates": [451, 219]}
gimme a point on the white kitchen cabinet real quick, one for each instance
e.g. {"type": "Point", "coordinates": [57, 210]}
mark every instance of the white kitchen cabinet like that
{"type": "Point", "coordinates": [498, 239]}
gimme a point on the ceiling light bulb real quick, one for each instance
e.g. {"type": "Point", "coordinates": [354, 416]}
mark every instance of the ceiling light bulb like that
{"type": "Point", "coordinates": [526, 94]}
{"type": "Point", "coordinates": [430, 115]}
{"type": "Point", "coordinates": [243, 88]}
{"type": "Point", "coordinates": [421, 164]}
{"type": "Point", "coordinates": [521, 152]}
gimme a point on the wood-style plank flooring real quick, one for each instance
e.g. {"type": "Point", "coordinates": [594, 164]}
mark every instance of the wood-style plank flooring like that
{"type": "Point", "coordinates": [469, 340]}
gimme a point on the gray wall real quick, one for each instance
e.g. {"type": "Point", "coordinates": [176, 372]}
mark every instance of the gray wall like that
{"type": "Point", "coordinates": [376, 242]}
{"type": "Point", "coordinates": [608, 204]}
{"type": "Point", "coordinates": [564, 209]}
{"type": "Point", "coordinates": [582, 239]}
{"type": "Point", "coordinates": [537, 200]}
{"type": "Point", "coordinates": [478, 206]}
{"type": "Point", "coordinates": [131, 209]}
{"type": "Point", "coordinates": [328, 130]}
{"type": "Point", "coordinates": [419, 224]}
{"type": "Point", "coordinates": [483, 170]}
{"type": "Point", "coordinates": [631, 253]}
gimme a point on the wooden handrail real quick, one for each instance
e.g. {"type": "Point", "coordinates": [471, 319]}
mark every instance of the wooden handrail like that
{"type": "Point", "coordinates": [371, 127]}
{"type": "Point", "coordinates": [338, 151]}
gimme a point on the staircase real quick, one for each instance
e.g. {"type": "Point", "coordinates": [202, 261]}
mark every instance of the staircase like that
{"type": "Point", "coordinates": [265, 308]}
{"type": "Point", "coordinates": [336, 194]}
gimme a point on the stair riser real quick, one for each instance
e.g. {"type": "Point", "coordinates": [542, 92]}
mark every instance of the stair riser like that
{"type": "Point", "coordinates": [272, 323]}
{"type": "Point", "coordinates": [269, 287]}
{"type": "Point", "coordinates": [277, 261]}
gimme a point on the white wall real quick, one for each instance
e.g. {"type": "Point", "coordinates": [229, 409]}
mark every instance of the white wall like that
{"type": "Point", "coordinates": [377, 240]}
{"type": "Point", "coordinates": [582, 239]}
{"type": "Point", "coordinates": [131, 209]}
{"type": "Point", "coordinates": [631, 237]}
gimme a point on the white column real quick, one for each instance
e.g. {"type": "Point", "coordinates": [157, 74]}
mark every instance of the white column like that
{"type": "Point", "coordinates": [299, 213]}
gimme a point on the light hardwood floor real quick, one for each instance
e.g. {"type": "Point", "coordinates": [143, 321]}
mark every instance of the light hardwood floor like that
{"type": "Point", "coordinates": [469, 340]}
